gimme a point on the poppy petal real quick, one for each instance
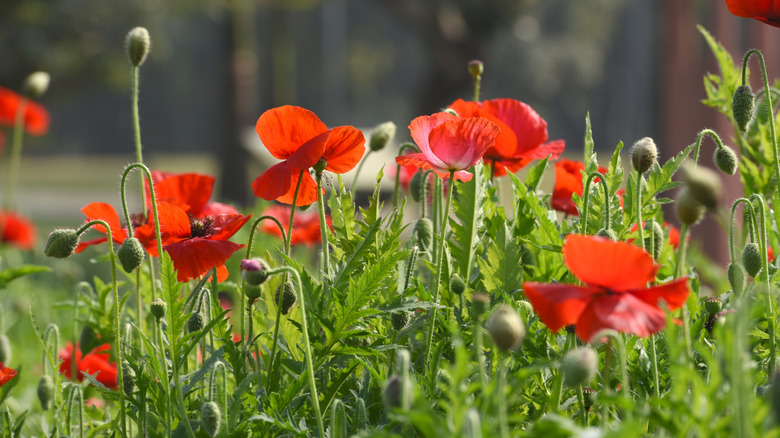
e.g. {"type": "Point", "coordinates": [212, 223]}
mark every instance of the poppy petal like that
{"type": "Point", "coordinates": [274, 182]}
{"type": "Point", "coordinates": [754, 8]}
{"type": "Point", "coordinates": [598, 261]}
{"type": "Point", "coordinates": [421, 128]}
{"type": "Point", "coordinates": [17, 230]}
{"type": "Point", "coordinates": [345, 148]}
{"type": "Point", "coordinates": [284, 129]}
{"type": "Point", "coordinates": [528, 126]}
{"type": "Point", "coordinates": [466, 108]}
{"type": "Point", "coordinates": [105, 212]}
{"type": "Point", "coordinates": [310, 152]}
{"type": "Point", "coordinates": [191, 189]}
{"type": "Point", "coordinates": [194, 257]}
{"type": "Point", "coordinates": [226, 225]}
{"type": "Point", "coordinates": [174, 222]}
{"type": "Point", "coordinates": [215, 208]}
{"type": "Point", "coordinates": [622, 312]}
{"type": "Point", "coordinates": [421, 161]}
{"type": "Point", "coordinates": [558, 305]}
{"type": "Point", "coordinates": [307, 194]}
{"type": "Point", "coordinates": [673, 293]}
{"type": "Point", "coordinates": [84, 244]}
{"type": "Point", "coordinates": [461, 143]}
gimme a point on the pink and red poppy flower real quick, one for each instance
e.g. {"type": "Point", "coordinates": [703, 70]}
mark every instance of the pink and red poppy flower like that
{"type": "Point", "coordinates": [36, 118]}
{"type": "Point", "coordinates": [766, 11]}
{"type": "Point", "coordinates": [16, 230]}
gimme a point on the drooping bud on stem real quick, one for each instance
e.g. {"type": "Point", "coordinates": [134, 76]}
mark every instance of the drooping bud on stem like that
{"type": "Point", "coordinates": [61, 243]}
{"type": "Point", "coordinates": [131, 254]}
{"type": "Point", "coordinates": [381, 136]}
{"type": "Point", "coordinates": [254, 271]}
{"type": "Point", "coordinates": [743, 106]}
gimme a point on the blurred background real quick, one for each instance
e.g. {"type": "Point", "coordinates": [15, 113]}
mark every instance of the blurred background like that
{"type": "Point", "coordinates": [215, 66]}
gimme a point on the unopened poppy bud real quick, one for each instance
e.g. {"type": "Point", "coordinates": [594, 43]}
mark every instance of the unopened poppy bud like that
{"type": "Point", "coordinates": [131, 254]}
{"type": "Point", "coordinates": [751, 259]}
{"type": "Point", "coordinates": [61, 243]}
{"type": "Point", "coordinates": [399, 320]}
{"type": "Point", "coordinates": [580, 366]}
{"type": "Point", "coordinates": [288, 297]}
{"type": "Point", "coordinates": [607, 234]}
{"type": "Point", "coordinates": [397, 394]}
{"type": "Point", "coordinates": [457, 285]}
{"type": "Point", "coordinates": [195, 323]}
{"type": "Point", "coordinates": [713, 305]}
{"type": "Point", "coordinates": [689, 210]}
{"type": "Point", "coordinates": [5, 349]}
{"type": "Point", "coordinates": [381, 136]}
{"type": "Point", "coordinates": [423, 233]}
{"type": "Point", "coordinates": [704, 185]}
{"type": "Point", "coordinates": [210, 418]}
{"type": "Point", "coordinates": [416, 186]}
{"type": "Point", "coordinates": [158, 308]}
{"type": "Point", "coordinates": [320, 166]}
{"type": "Point", "coordinates": [361, 419]}
{"type": "Point", "coordinates": [87, 338]}
{"type": "Point", "coordinates": [726, 160]}
{"type": "Point", "coordinates": [643, 154]}
{"type": "Point", "coordinates": [657, 236]}
{"type": "Point", "coordinates": [476, 68]}
{"type": "Point", "coordinates": [137, 44]}
{"type": "Point", "coordinates": [254, 271]}
{"type": "Point", "coordinates": [737, 278]}
{"type": "Point", "coordinates": [36, 84]}
{"type": "Point", "coordinates": [743, 106]}
{"type": "Point", "coordinates": [480, 303]}
{"type": "Point", "coordinates": [506, 328]}
{"type": "Point", "coordinates": [128, 378]}
{"type": "Point", "coordinates": [46, 391]}
{"type": "Point", "coordinates": [252, 292]}
{"type": "Point", "coordinates": [590, 395]}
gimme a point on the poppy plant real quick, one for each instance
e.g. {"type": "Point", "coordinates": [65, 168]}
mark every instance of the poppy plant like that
{"type": "Point", "coordinates": [568, 181]}
{"type": "Point", "coordinates": [523, 136]}
{"type": "Point", "coordinates": [16, 230]}
{"type": "Point", "coordinates": [143, 231]}
{"type": "Point", "coordinates": [36, 118]}
{"type": "Point", "coordinates": [615, 295]}
{"type": "Point", "coordinates": [306, 225]}
{"type": "Point", "coordinates": [450, 143]}
{"type": "Point", "coordinates": [297, 136]}
{"type": "Point", "coordinates": [96, 361]}
{"type": "Point", "coordinates": [766, 11]}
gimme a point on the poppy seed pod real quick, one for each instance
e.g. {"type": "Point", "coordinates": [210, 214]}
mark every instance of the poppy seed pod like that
{"type": "Point", "coordinates": [689, 210]}
{"type": "Point", "coordinates": [195, 323]}
{"type": "Point", "coordinates": [137, 44]}
{"type": "Point", "coordinates": [590, 396]}
{"type": "Point", "coordinates": [46, 391]}
{"type": "Point", "coordinates": [457, 285]}
{"type": "Point", "coordinates": [128, 378]}
{"type": "Point", "coordinates": [416, 186]}
{"type": "Point", "coordinates": [252, 292]}
{"type": "Point", "coordinates": [131, 254]}
{"type": "Point", "coordinates": [506, 328]}
{"type": "Point", "coordinates": [737, 277]}
{"type": "Point", "coordinates": [726, 160]}
{"type": "Point", "coordinates": [476, 68]}
{"type": "Point", "coordinates": [423, 233]}
{"type": "Point", "coordinates": [288, 297]}
{"type": "Point", "coordinates": [608, 234]}
{"type": "Point", "coordinates": [320, 166]}
{"type": "Point", "coordinates": [210, 418]}
{"type": "Point", "coordinates": [399, 320]}
{"type": "Point", "coordinates": [36, 84]}
{"type": "Point", "coordinates": [751, 259]}
{"type": "Point", "coordinates": [743, 106]}
{"type": "Point", "coordinates": [703, 184]}
{"type": "Point", "coordinates": [158, 308]}
{"type": "Point", "coordinates": [381, 136]}
{"type": "Point", "coordinates": [643, 154]}
{"type": "Point", "coordinates": [713, 305]}
{"type": "Point", "coordinates": [254, 271]}
{"type": "Point", "coordinates": [579, 366]}
{"type": "Point", "coordinates": [61, 243]}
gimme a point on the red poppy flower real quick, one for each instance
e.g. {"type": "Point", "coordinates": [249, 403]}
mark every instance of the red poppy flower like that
{"type": "Point", "coordinates": [615, 295]}
{"type": "Point", "coordinates": [16, 230]}
{"type": "Point", "coordinates": [144, 232]}
{"type": "Point", "coordinates": [523, 136]}
{"type": "Point", "coordinates": [568, 181]}
{"type": "Point", "coordinates": [6, 374]}
{"type": "Point", "coordinates": [93, 362]}
{"type": "Point", "coordinates": [767, 11]}
{"type": "Point", "coordinates": [188, 191]}
{"type": "Point", "coordinates": [297, 136]}
{"type": "Point", "coordinates": [196, 245]}
{"type": "Point", "coordinates": [306, 225]}
{"type": "Point", "coordinates": [449, 143]}
{"type": "Point", "coordinates": [36, 118]}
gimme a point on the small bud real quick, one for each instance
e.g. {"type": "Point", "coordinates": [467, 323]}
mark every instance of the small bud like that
{"type": "Point", "coordinates": [195, 323]}
{"type": "Point", "coordinates": [743, 106]}
{"type": "Point", "coordinates": [590, 395]}
{"type": "Point", "coordinates": [289, 299]}
{"type": "Point", "coordinates": [506, 328]}
{"type": "Point", "coordinates": [689, 210]}
{"type": "Point", "coordinates": [476, 68]}
{"type": "Point", "coordinates": [210, 418]}
{"type": "Point", "coordinates": [713, 305]}
{"type": "Point", "coordinates": [128, 378]}
{"type": "Point", "coordinates": [608, 234]}
{"type": "Point", "coordinates": [254, 271]}
{"type": "Point", "coordinates": [36, 84]}
{"type": "Point", "coordinates": [399, 320]}
{"type": "Point", "coordinates": [87, 338]}
{"type": "Point", "coordinates": [751, 259]}
{"type": "Point", "coordinates": [726, 160]}
{"type": "Point", "coordinates": [737, 278]}
{"type": "Point", "coordinates": [580, 366]}
{"type": "Point", "coordinates": [480, 303]}
{"type": "Point", "coordinates": [704, 185]}
{"type": "Point", "coordinates": [457, 285]}
{"type": "Point", "coordinates": [131, 254]}
{"type": "Point", "coordinates": [657, 236]}
{"type": "Point", "coordinates": [61, 243]}
{"type": "Point", "coordinates": [416, 186]}
{"type": "Point", "coordinates": [423, 233]}
{"type": "Point", "coordinates": [252, 292]}
{"type": "Point", "coordinates": [46, 391]}
{"type": "Point", "coordinates": [320, 166]}
{"type": "Point", "coordinates": [381, 136]}
{"type": "Point", "coordinates": [643, 154]}
{"type": "Point", "coordinates": [137, 44]}
{"type": "Point", "coordinates": [158, 308]}
{"type": "Point", "coordinates": [5, 349]}
{"type": "Point", "coordinates": [397, 394]}
{"type": "Point", "coordinates": [472, 427]}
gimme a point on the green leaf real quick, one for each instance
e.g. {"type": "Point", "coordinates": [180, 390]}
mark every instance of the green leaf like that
{"type": "Point", "coordinates": [588, 141]}
{"type": "Point", "coordinates": [501, 267]}
{"type": "Point", "coordinates": [535, 174]}
{"type": "Point", "coordinates": [10, 274]}
{"type": "Point", "coordinates": [467, 203]}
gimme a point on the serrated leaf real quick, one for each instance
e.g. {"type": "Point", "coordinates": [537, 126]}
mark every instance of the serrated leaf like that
{"type": "Point", "coordinates": [466, 220]}
{"type": "Point", "coordinates": [535, 174]}
{"type": "Point", "coordinates": [501, 266]}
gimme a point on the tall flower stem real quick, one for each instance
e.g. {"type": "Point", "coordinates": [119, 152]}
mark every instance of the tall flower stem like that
{"type": "Point", "coordinates": [401, 151]}
{"type": "Point", "coordinates": [16, 155]}
{"type": "Point", "coordinates": [765, 271]}
{"type": "Point", "coordinates": [323, 230]}
{"type": "Point", "coordinates": [164, 363]}
{"type": "Point", "coordinates": [80, 402]}
{"type": "Point", "coordinates": [768, 101]}
{"type": "Point", "coordinates": [751, 214]}
{"type": "Point", "coordinates": [128, 220]}
{"type": "Point", "coordinates": [679, 265]}
{"type": "Point", "coordinates": [359, 169]}
{"type": "Point", "coordinates": [435, 286]}
{"type": "Point", "coordinates": [586, 202]}
{"type": "Point", "coordinates": [137, 130]}
{"type": "Point", "coordinates": [639, 179]}
{"type": "Point", "coordinates": [503, 369]}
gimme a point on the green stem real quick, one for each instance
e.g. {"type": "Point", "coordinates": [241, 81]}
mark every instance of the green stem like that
{"type": "Point", "coordinates": [586, 201]}
{"type": "Point", "coordinates": [137, 132]}
{"type": "Point", "coordinates": [678, 267]}
{"type": "Point", "coordinates": [502, 416]}
{"type": "Point", "coordinates": [359, 168]}
{"type": "Point", "coordinates": [324, 232]}
{"type": "Point", "coordinates": [404, 147]}
{"type": "Point", "coordinates": [765, 270]}
{"type": "Point", "coordinates": [621, 353]}
{"type": "Point", "coordinates": [656, 378]}
{"type": "Point", "coordinates": [166, 383]}
{"type": "Point", "coordinates": [479, 344]}
{"type": "Point", "coordinates": [699, 138]}
{"type": "Point", "coordinates": [220, 365]}
{"type": "Point", "coordinates": [769, 105]}
{"type": "Point", "coordinates": [16, 155]}
{"type": "Point", "coordinates": [640, 227]}
{"type": "Point", "coordinates": [751, 214]}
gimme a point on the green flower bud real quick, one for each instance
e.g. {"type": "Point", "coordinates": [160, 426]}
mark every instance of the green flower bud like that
{"type": "Point", "coordinates": [46, 391]}
{"type": "Point", "coordinates": [399, 320]}
{"type": "Point", "coordinates": [476, 68]}
{"type": "Point", "coordinates": [726, 160]}
{"type": "Point", "coordinates": [210, 418]}
{"type": "Point", "coordinates": [158, 308]}
{"type": "Point", "coordinates": [457, 285]}
{"type": "Point", "coordinates": [751, 259]}
{"type": "Point", "coordinates": [704, 185]}
{"type": "Point", "coordinates": [5, 349]}
{"type": "Point", "coordinates": [361, 420]}
{"type": "Point", "coordinates": [397, 393]}
{"type": "Point", "coordinates": [423, 233]}
{"type": "Point", "coordinates": [743, 106]}
{"type": "Point", "coordinates": [506, 328]}
{"type": "Point", "coordinates": [36, 84]}
{"type": "Point", "coordinates": [131, 254]}
{"type": "Point", "coordinates": [288, 297]}
{"type": "Point", "coordinates": [689, 210]}
{"type": "Point", "coordinates": [416, 186]}
{"type": "Point", "coordinates": [320, 166]}
{"type": "Point", "coordinates": [643, 154]}
{"type": "Point", "coordinates": [254, 271]}
{"type": "Point", "coordinates": [713, 305]}
{"type": "Point", "coordinates": [607, 234]}
{"type": "Point", "coordinates": [737, 278]}
{"type": "Point", "coordinates": [195, 323]}
{"type": "Point", "coordinates": [381, 136]}
{"type": "Point", "coordinates": [657, 236]}
{"type": "Point", "coordinates": [480, 303]}
{"type": "Point", "coordinates": [580, 366]}
{"type": "Point", "coordinates": [137, 44]}
{"type": "Point", "coordinates": [128, 378]}
{"type": "Point", "coordinates": [61, 243]}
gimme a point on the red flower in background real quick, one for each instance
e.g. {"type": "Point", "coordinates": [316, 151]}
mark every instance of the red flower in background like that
{"type": "Point", "coordinates": [568, 181]}
{"type": "Point", "coordinates": [615, 296]}
{"type": "Point", "coordinates": [188, 191]}
{"type": "Point", "coordinates": [297, 136]}
{"type": "Point", "coordinates": [306, 225]}
{"type": "Point", "coordinates": [449, 143]}
{"type": "Point", "coordinates": [523, 136]}
{"type": "Point", "coordinates": [16, 230]}
{"type": "Point", "coordinates": [767, 11]}
{"type": "Point", "coordinates": [6, 374]}
{"type": "Point", "coordinates": [144, 232]}
{"type": "Point", "coordinates": [93, 362]}
{"type": "Point", "coordinates": [36, 118]}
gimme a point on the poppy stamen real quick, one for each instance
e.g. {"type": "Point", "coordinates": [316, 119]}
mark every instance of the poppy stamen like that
{"type": "Point", "coordinates": [201, 227]}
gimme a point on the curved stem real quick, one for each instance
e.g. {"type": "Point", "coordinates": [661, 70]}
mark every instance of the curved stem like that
{"type": "Point", "coordinates": [765, 268]}
{"type": "Point", "coordinates": [700, 137]}
{"type": "Point", "coordinates": [586, 201]}
{"type": "Point", "coordinates": [212, 377]}
{"type": "Point", "coordinates": [751, 214]}
{"type": "Point", "coordinates": [768, 101]}
{"type": "Point", "coordinates": [403, 148]}
{"type": "Point", "coordinates": [16, 155]}
{"type": "Point", "coordinates": [424, 193]}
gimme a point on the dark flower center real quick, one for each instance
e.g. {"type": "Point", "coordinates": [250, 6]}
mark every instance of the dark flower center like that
{"type": "Point", "coordinates": [137, 219]}
{"type": "Point", "coordinates": [201, 226]}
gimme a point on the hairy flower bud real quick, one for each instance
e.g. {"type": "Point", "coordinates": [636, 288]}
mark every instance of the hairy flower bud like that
{"type": "Point", "coordinates": [399, 320]}
{"type": "Point", "coordinates": [397, 393]}
{"type": "Point", "coordinates": [288, 297]}
{"type": "Point", "coordinates": [480, 303]}
{"type": "Point", "coordinates": [580, 366]}
{"type": "Point", "coordinates": [46, 391]}
{"type": "Point", "coordinates": [737, 278]}
{"type": "Point", "coordinates": [726, 160]}
{"type": "Point", "coordinates": [128, 378]}
{"type": "Point", "coordinates": [137, 44]}
{"type": "Point", "coordinates": [457, 285]}
{"type": "Point", "coordinates": [210, 418]}
{"type": "Point", "coordinates": [506, 328]}
{"type": "Point", "coordinates": [254, 271]}
{"type": "Point", "coordinates": [743, 106]}
{"type": "Point", "coordinates": [608, 234]}
{"type": "Point", "coordinates": [689, 210]}
{"type": "Point", "coordinates": [655, 235]}
{"type": "Point", "coordinates": [158, 308]}
{"type": "Point", "coordinates": [643, 154]}
{"type": "Point", "coordinates": [252, 292]}
{"type": "Point", "coordinates": [416, 186]}
{"type": "Point", "coordinates": [751, 259]}
{"type": "Point", "coordinates": [195, 323]}
{"type": "Point", "coordinates": [131, 254]}
{"type": "Point", "coordinates": [36, 84]}
{"type": "Point", "coordinates": [61, 243]}
{"type": "Point", "coordinates": [476, 68]}
{"type": "Point", "coordinates": [423, 233]}
{"type": "Point", "coordinates": [704, 185]}
{"type": "Point", "coordinates": [382, 135]}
